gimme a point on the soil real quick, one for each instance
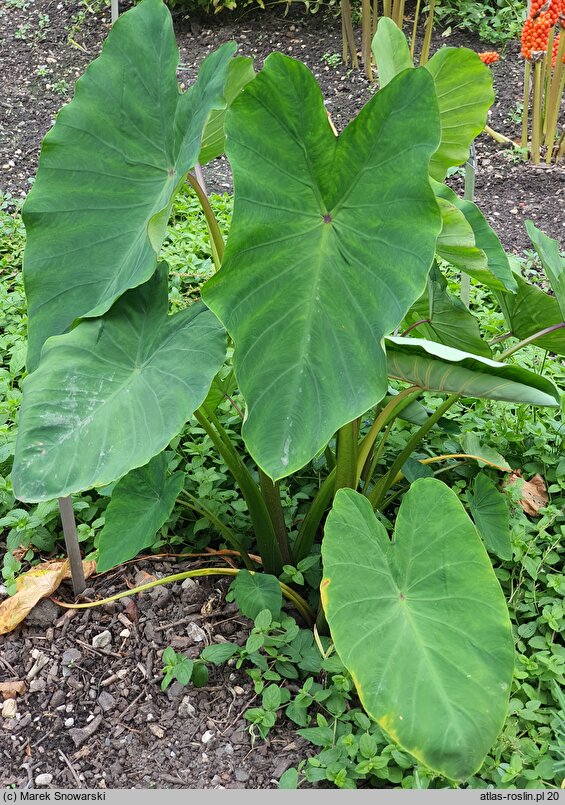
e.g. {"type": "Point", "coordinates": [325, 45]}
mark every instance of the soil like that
{"type": "Point", "coordinates": [39, 65]}
{"type": "Point", "coordinates": [95, 717]}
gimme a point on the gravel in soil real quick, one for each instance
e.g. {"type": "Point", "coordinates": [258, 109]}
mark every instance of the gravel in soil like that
{"type": "Point", "coordinates": [93, 714]}
{"type": "Point", "coordinates": [39, 65]}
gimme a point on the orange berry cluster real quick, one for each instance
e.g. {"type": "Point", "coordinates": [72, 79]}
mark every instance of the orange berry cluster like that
{"type": "Point", "coordinates": [543, 16]}
{"type": "Point", "coordinates": [489, 57]}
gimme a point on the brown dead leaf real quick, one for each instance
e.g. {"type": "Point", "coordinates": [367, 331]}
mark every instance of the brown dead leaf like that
{"type": "Point", "coordinates": [12, 688]}
{"type": "Point", "coordinates": [39, 582]}
{"type": "Point", "coordinates": [534, 492]}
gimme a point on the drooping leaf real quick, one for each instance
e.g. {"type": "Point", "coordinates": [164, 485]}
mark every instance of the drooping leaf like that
{"type": "Point", "coordinates": [471, 444]}
{"type": "Point", "coordinates": [445, 319]}
{"type": "Point", "coordinates": [421, 624]}
{"type": "Point", "coordinates": [112, 393]}
{"type": "Point", "coordinates": [391, 51]}
{"type": "Point", "coordinates": [240, 73]}
{"type": "Point", "coordinates": [439, 368]}
{"type": "Point", "coordinates": [39, 582]}
{"type": "Point", "coordinates": [141, 503]}
{"type": "Point", "coordinates": [255, 592]}
{"type": "Point", "coordinates": [552, 262]}
{"type": "Point", "coordinates": [530, 311]}
{"type": "Point", "coordinates": [323, 257]}
{"type": "Point", "coordinates": [108, 171]}
{"type": "Point", "coordinates": [489, 509]}
{"type": "Point", "coordinates": [497, 273]}
{"type": "Point", "coordinates": [465, 94]}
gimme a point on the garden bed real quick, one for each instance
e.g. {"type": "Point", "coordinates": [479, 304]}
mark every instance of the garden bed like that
{"type": "Point", "coordinates": [93, 714]}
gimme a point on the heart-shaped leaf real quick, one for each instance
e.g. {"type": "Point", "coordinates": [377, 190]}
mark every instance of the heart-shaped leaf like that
{"type": "Point", "coordinates": [108, 171]}
{"type": "Point", "coordinates": [255, 592]}
{"type": "Point", "coordinates": [421, 624]}
{"type": "Point", "coordinates": [489, 509]}
{"type": "Point", "coordinates": [327, 252]}
{"type": "Point", "coordinates": [436, 367]}
{"type": "Point", "coordinates": [141, 502]}
{"type": "Point", "coordinates": [113, 392]}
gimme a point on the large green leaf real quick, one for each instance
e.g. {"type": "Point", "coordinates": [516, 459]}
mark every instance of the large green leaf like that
{"type": "Point", "coordinates": [445, 319]}
{"type": "Point", "coordinates": [489, 509]}
{"type": "Point", "coordinates": [463, 86]}
{"type": "Point", "coordinates": [331, 242]}
{"type": "Point", "coordinates": [436, 367]}
{"type": "Point", "coordinates": [112, 393]}
{"type": "Point", "coordinates": [455, 247]}
{"type": "Point", "coordinates": [390, 50]}
{"type": "Point", "coordinates": [531, 310]}
{"type": "Point", "coordinates": [552, 262]}
{"type": "Point", "coordinates": [108, 171]}
{"type": "Point", "coordinates": [240, 73]}
{"type": "Point", "coordinates": [465, 94]}
{"type": "Point", "coordinates": [141, 502]}
{"type": "Point", "coordinates": [421, 624]}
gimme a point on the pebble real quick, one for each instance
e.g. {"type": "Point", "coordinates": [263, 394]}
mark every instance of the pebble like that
{"type": "Point", "coordinates": [194, 631]}
{"type": "Point", "coordinates": [157, 731]}
{"type": "Point", "coordinates": [44, 614]}
{"type": "Point", "coordinates": [106, 701]}
{"type": "Point", "coordinates": [43, 779]}
{"type": "Point", "coordinates": [57, 699]}
{"type": "Point", "coordinates": [102, 640]}
{"type": "Point", "coordinates": [207, 736]}
{"type": "Point", "coordinates": [9, 708]}
{"type": "Point", "coordinates": [70, 657]}
{"type": "Point", "coordinates": [241, 775]}
{"type": "Point", "coordinates": [69, 722]}
{"type": "Point", "coordinates": [186, 709]}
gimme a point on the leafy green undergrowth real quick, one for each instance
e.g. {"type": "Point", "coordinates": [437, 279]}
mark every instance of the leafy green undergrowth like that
{"type": "Point", "coordinates": [494, 21]}
{"type": "Point", "coordinates": [291, 675]}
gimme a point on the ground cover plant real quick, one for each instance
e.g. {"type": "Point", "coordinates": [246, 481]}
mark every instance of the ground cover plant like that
{"type": "Point", "coordinates": [348, 386]}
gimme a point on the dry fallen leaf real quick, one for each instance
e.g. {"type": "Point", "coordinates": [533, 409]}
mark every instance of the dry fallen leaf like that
{"type": "Point", "coordinates": [534, 492]}
{"type": "Point", "coordinates": [12, 688]}
{"type": "Point", "coordinates": [39, 582]}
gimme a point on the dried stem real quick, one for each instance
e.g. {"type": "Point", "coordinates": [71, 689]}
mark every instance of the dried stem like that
{"type": "Point", "coordinates": [424, 56]}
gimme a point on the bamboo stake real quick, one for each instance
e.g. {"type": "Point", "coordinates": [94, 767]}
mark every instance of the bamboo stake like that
{"type": "Point", "coordinates": [414, 27]}
{"type": "Point", "coordinates": [526, 109]}
{"type": "Point", "coordinates": [387, 8]}
{"type": "Point", "coordinates": [554, 99]}
{"type": "Point", "coordinates": [428, 34]}
{"type": "Point", "coordinates": [547, 71]}
{"type": "Point", "coordinates": [375, 18]}
{"type": "Point", "coordinates": [350, 35]}
{"type": "Point", "coordinates": [71, 544]}
{"type": "Point", "coordinates": [114, 10]}
{"type": "Point", "coordinates": [536, 111]}
{"type": "Point", "coordinates": [366, 30]}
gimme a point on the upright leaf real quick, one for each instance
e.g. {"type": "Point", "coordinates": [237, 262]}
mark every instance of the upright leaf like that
{"type": "Point", "coordinates": [141, 502]}
{"type": "Point", "coordinates": [439, 368]}
{"type": "Point", "coordinates": [240, 73]}
{"type": "Point", "coordinates": [464, 94]}
{"type": "Point", "coordinates": [489, 509]}
{"type": "Point", "coordinates": [421, 624]}
{"type": "Point", "coordinates": [552, 262]}
{"type": "Point", "coordinates": [108, 171]}
{"type": "Point", "coordinates": [113, 392]}
{"type": "Point", "coordinates": [327, 251]}
{"type": "Point", "coordinates": [390, 50]}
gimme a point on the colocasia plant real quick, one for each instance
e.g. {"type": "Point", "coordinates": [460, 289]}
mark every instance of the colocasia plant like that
{"type": "Point", "coordinates": [336, 246]}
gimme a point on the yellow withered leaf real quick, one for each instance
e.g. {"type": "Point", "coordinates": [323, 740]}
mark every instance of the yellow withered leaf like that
{"type": "Point", "coordinates": [39, 582]}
